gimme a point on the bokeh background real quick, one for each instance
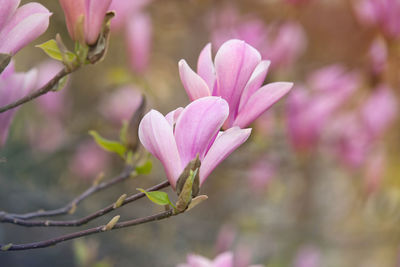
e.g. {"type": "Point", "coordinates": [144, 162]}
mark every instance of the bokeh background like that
{"type": "Point", "coordinates": [307, 189]}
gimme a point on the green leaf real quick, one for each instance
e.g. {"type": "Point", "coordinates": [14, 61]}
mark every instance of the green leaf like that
{"type": "Point", "coordinates": [52, 50]}
{"type": "Point", "coordinates": [158, 197]}
{"type": "Point", "coordinates": [123, 133]}
{"type": "Point", "coordinates": [145, 168]}
{"type": "Point", "coordinates": [108, 145]}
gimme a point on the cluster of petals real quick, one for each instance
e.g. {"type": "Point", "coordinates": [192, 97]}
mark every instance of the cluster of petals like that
{"type": "Point", "coordinates": [225, 259]}
{"type": "Point", "coordinates": [381, 13]}
{"type": "Point", "coordinates": [237, 75]}
{"type": "Point", "coordinates": [138, 30]}
{"type": "Point", "coordinates": [85, 17]}
{"type": "Point", "coordinates": [282, 43]}
{"type": "Point", "coordinates": [12, 87]}
{"type": "Point", "coordinates": [21, 25]}
{"type": "Point", "coordinates": [181, 135]}
{"type": "Point", "coordinates": [309, 108]}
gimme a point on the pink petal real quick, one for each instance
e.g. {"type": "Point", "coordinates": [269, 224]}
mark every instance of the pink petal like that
{"type": "Point", "coordinates": [7, 9]}
{"type": "Point", "coordinates": [173, 116]}
{"type": "Point", "coordinates": [234, 63]}
{"type": "Point", "coordinates": [139, 38]}
{"type": "Point", "coordinates": [205, 67]}
{"type": "Point", "coordinates": [260, 101]}
{"type": "Point", "coordinates": [73, 10]}
{"type": "Point", "coordinates": [224, 260]}
{"type": "Point", "coordinates": [194, 85]}
{"type": "Point", "coordinates": [28, 23]}
{"type": "Point", "coordinates": [198, 261]}
{"type": "Point", "coordinates": [95, 13]}
{"type": "Point", "coordinates": [222, 147]}
{"type": "Point", "coordinates": [156, 135]}
{"type": "Point", "coordinates": [197, 125]}
{"type": "Point", "coordinates": [255, 82]}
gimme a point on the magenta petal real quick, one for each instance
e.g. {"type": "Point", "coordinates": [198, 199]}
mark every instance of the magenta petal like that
{"type": "Point", "coordinates": [7, 9]}
{"type": "Point", "coordinates": [260, 101]}
{"type": "Point", "coordinates": [194, 260]}
{"type": "Point", "coordinates": [205, 67]}
{"type": "Point", "coordinates": [224, 260]}
{"type": "Point", "coordinates": [197, 125]}
{"type": "Point", "coordinates": [194, 85]}
{"type": "Point", "coordinates": [95, 13]}
{"type": "Point", "coordinates": [222, 147]}
{"type": "Point", "coordinates": [234, 63]}
{"type": "Point", "coordinates": [255, 82]}
{"type": "Point", "coordinates": [173, 116]}
{"type": "Point", "coordinates": [156, 135]}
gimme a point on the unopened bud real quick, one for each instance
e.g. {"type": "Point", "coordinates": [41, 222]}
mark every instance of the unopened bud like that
{"type": "Point", "coordinates": [111, 223]}
{"type": "Point", "coordinates": [120, 201]}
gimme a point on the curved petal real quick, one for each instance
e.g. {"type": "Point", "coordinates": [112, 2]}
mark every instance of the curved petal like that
{"type": "Point", "coordinates": [194, 260]}
{"type": "Point", "coordinates": [194, 85]}
{"type": "Point", "coordinates": [205, 67]}
{"type": "Point", "coordinates": [222, 147]}
{"type": "Point", "coordinates": [234, 63]}
{"type": "Point", "coordinates": [73, 10]}
{"type": "Point", "coordinates": [95, 13]}
{"type": "Point", "coordinates": [255, 82]}
{"type": "Point", "coordinates": [173, 116]}
{"type": "Point", "coordinates": [197, 125]}
{"type": "Point", "coordinates": [224, 260]}
{"type": "Point", "coordinates": [7, 9]}
{"type": "Point", "coordinates": [260, 101]}
{"type": "Point", "coordinates": [156, 135]}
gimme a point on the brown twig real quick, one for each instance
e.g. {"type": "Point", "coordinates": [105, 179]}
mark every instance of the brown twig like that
{"type": "Point", "coordinates": [91, 231]}
{"type": "Point", "coordinates": [70, 206]}
{"type": "Point", "coordinates": [41, 91]}
{"type": "Point", "coordinates": [84, 220]}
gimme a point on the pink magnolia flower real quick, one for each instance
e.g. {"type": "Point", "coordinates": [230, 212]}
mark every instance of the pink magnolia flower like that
{"type": "Point", "coordinates": [182, 134]}
{"type": "Point", "coordinates": [236, 75]}
{"type": "Point", "coordinates": [223, 260]}
{"type": "Point", "coordinates": [20, 26]}
{"type": "Point", "coordinates": [85, 17]}
{"type": "Point", "coordinates": [89, 160]}
{"type": "Point", "coordinates": [12, 87]}
{"type": "Point", "coordinates": [138, 31]}
{"type": "Point", "coordinates": [121, 104]}
{"type": "Point", "coordinates": [381, 13]}
{"type": "Point", "coordinates": [378, 56]}
{"type": "Point", "coordinates": [281, 44]}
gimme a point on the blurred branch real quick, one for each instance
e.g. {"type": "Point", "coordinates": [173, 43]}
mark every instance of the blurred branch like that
{"type": "Point", "coordinates": [91, 231]}
{"type": "Point", "coordinates": [9, 219]}
{"type": "Point", "coordinates": [70, 207]}
{"type": "Point", "coordinates": [41, 91]}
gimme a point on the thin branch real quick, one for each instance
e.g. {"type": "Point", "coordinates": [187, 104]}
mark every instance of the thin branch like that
{"type": "Point", "coordinates": [72, 205]}
{"type": "Point", "coordinates": [91, 231]}
{"type": "Point", "coordinates": [41, 91]}
{"type": "Point", "coordinates": [84, 220]}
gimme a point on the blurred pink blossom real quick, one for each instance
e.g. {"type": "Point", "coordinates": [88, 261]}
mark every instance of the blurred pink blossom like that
{"type": "Point", "coordinates": [225, 238]}
{"type": "Point", "coordinates": [121, 104]}
{"type": "Point", "coordinates": [48, 136]}
{"type": "Point", "coordinates": [260, 174]}
{"type": "Point", "coordinates": [307, 256]}
{"type": "Point", "coordinates": [281, 44]}
{"type": "Point", "coordinates": [380, 13]}
{"type": "Point", "coordinates": [89, 160]}
{"type": "Point", "coordinates": [223, 260]}
{"type": "Point", "coordinates": [265, 123]}
{"type": "Point", "coordinates": [20, 26]}
{"type": "Point", "coordinates": [13, 86]}
{"type": "Point", "coordinates": [138, 31]}
{"type": "Point", "coordinates": [378, 56]}
{"type": "Point", "coordinates": [196, 132]}
{"type": "Point", "coordinates": [85, 17]}
{"type": "Point", "coordinates": [237, 75]}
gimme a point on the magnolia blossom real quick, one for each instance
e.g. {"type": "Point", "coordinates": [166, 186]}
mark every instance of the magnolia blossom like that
{"type": "Point", "coordinates": [121, 104]}
{"type": "Point", "coordinates": [182, 134]}
{"type": "Point", "coordinates": [85, 18]}
{"type": "Point", "coordinates": [281, 44]}
{"type": "Point", "coordinates": [378, 54]}
{"type": "Point", "coordinates": [12, 87]}
{"type": "Point", "coordinates": [309, 110]}
{"type": "Point", "coordinates": [381, 13]}
{"type": "Point", "coordinates": [225, 259]}
{"type": "Point", "coordinates": [20, 26]}
{"type": "Point", "coordinates": [237, 75]}
{"type": "Point", "coordinates": [138, 31]}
